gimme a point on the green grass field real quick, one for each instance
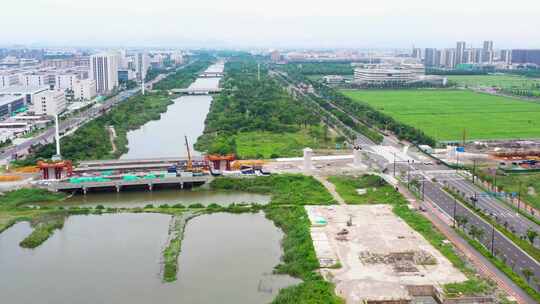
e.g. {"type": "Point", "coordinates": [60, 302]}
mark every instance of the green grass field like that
{"type": "Point", "coordinates": [444, 114]}
{"type": "Point", "coordinates": [501, 81]}
{"type": "Point", "coordinates": [268, 144]}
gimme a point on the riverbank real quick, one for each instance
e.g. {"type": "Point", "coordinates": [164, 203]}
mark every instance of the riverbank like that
{"type": "Point", "coordinates": [90, 142]}
{"type": "Point", "coordinates": [289, 193]}
{"type": "Point", "coordinates": [254, 117]}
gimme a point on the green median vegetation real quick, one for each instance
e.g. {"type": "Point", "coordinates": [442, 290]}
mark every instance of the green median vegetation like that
{"type": "Point", "coordinates": [382, 193]}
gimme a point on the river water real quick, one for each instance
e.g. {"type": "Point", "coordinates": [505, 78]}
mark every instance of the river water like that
{"type": "Point", "coordinates": [165, 137]}
{"type": "Point", "coordinates": [132, 199]}
{"type": "Point", "coordinates": [225, 258]}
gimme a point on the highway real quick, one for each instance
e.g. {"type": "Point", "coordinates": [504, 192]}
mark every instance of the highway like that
{"type": "Point", "coordinates": [503, 247]}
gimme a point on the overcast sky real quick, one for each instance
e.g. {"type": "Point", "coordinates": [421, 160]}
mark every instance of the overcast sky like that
{"type": "Point", "coordinates": [275, 23]}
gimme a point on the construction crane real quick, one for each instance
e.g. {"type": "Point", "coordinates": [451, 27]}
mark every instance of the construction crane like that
{"type": "Point", "coordinates": [189, 162]}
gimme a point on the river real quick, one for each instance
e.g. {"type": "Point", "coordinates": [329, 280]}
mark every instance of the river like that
{"type": "Point", "coordinates": [165, 137]}
{"type": "Point", "coordinates": [225, 258]}
{"type": "Point", "coordinates": [115, 258]}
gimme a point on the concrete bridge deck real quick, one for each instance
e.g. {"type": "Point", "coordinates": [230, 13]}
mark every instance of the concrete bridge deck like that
{"type": "Point", "coordinates": [118, 185]}
{"type": "Point", "coordinates": [198, 91]}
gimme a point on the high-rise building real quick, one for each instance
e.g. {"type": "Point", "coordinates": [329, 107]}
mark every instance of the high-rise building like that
{"type": "Point", "coordinates": [506, 56]}
{"type": "Point", "coordinates": [487, 52]}
{"type": "Point", "coordinates": [448, 58]}
{"type": "Point", "coordinates": [526, 56]}
{"type": "Point", "coordinates": [416, 53]}
{"type": "Point", "coordinates": [460, 52]}
{"type": "Point", "coordinates": [275, 56]}
{"type": "Point", "coordinates": [104, 70]}
{"type": "Point", "coordinates": [142, 64]}
{"type": "Point", "coordinates": [430, 57]}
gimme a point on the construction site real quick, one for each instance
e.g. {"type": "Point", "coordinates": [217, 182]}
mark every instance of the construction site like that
{"type": "Point", "coordinates": [375, 257]}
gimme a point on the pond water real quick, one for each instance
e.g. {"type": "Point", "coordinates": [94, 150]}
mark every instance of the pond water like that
{"type": "Point", "coordinates": [130, 199]}
{"type": "Point", "coordinates": [225, 258]}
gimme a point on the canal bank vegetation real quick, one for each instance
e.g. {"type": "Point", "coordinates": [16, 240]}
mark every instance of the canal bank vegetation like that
{"type": "Point", "coordinates": [252, 111]}
{"type": "Point", "coordinates": [174, 245]}
{"type": "Point", "coordinates": [289, 194]}
{"type": "Point", "coordinates": [44, 226]}
{"type": "Point", "coordinates": [299, 259]}
{"type": "Point", "coordinates": [90, 142]}
{"type": "Point", "coordinates": [183, 77]}
{"type": "Point", "coordinates": [286, 189]}
{"type": "Point", "coordinates": [383, 193]}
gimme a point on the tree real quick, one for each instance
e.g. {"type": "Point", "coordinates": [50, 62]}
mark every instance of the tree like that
{"type": "Point", "coordinates": [527, 273]}
{"type": "Point", "coordinates": [476, 233]}
{"type": "Point", "coordinates": [532, 235]}
{"type": "Point", "coordinates": [461, 221]}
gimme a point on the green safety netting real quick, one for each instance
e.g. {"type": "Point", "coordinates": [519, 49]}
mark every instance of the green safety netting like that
{"type": "Point", "coordinates": [129, 177]}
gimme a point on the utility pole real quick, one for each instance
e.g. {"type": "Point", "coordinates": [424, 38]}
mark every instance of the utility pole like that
{"type": "Point", "coordinates": [423, 186]}
{"type": "Point", "coordinates": [457, 160]}
{"type": "Point", "coordinates": [492, 239]}
{"type": "Point", "coordinates": [474, 171]}
{"type": "Point", "coordinates": [58, 155]}
{"type": "Point", "coordinates": [394, 164]}
{"type": "Point", "coordinates": [142, 86]}
{"type": "Point", "coordinates": [408, 174]}
{"type": "Point", "coordinates": [258, 71]}
{"type": "Point", "coordinates": [519, 196]}
{"type": "Point", "coordinates": [454, 217]}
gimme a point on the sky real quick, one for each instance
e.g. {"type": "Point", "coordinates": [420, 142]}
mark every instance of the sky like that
{"type": "Point", "coordinates": [270, 24]}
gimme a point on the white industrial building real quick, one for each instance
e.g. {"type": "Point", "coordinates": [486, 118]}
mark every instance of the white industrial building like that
{"type": "Point", "coordinates": [65, 81]}
{"type": "Point", "coordinates": [37, 79]}
{"type": "Point", "coordinates": [333, 79]}
{"type": "Point", "coordinates": [104, 71]}
{"type": "Point", "coordinates": [49, 102]}
{"type": "Point", "coordinates": [84, 89]}
{"type": "Point", "coordinates": [28, 93]}
{"type": "Point", "coordinates": [378, 76]}
{"type": "Point", "coordinates": [8, 78]}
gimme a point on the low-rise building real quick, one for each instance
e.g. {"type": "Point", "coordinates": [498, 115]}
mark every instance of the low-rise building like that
{"type": "Point", "coordinates": [10, 104]}
{"type": "Point", "coordinates": [28, 93]}
{"type": "Point", "coordinates": [379, 76]}
{"type": "Point", "coordinates": [49, 102]}
{"type": "Point", "coordinates": [333, 79]}
{"type": "Point", "coordinates": [84, 89]}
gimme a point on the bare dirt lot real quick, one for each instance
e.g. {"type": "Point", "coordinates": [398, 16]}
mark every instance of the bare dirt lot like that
{"type": "Point", "coordinates": [379, 254]}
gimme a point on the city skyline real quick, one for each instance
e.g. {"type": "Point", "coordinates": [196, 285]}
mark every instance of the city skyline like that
{"type": "Point", "coordinates": [342, 24]}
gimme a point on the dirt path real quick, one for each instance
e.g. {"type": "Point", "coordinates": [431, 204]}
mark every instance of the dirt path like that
{"type": "Point", "coordinates": [112, 137]}
{"type": "Point", "coordinates": [331, 188]}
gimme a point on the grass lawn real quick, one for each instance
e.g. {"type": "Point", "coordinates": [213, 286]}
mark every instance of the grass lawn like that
{"type": "Point", "coordinates": [377, 190]}
{"type": "Point", "coordinates": [502, 81]}
{"type": "Point", "coordinates": [445, 114]}
{"type": "Point", "coordinates": [269, 144]}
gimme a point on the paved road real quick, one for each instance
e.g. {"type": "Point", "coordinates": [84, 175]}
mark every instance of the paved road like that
{"type": "Point", "coordinates": [489, 205]}
{"type": "Point", "coordinates": [502, 246]}
{"type": "Point", "coordinates": [73, 122]}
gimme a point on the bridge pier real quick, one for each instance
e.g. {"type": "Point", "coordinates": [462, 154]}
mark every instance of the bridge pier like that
{"type": "Point", "coordinates": [118, 188]}
{"type": "Point", "coordinates": [182, 185]}
{"type": "Point", "coordinates": [150, 187]}
{"type": "Point", "coordinates": [85, 190]}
